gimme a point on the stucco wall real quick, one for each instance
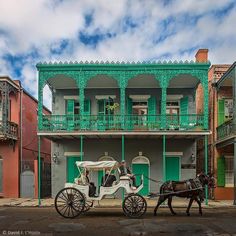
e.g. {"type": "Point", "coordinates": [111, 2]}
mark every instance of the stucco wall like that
{"type": "Point", "coordinates": [95, 148]}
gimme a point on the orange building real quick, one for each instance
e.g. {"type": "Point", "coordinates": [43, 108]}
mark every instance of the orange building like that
{"type": "Point", "coordinates": [18, 143]}
{"type": "Point", "coordinates": [221, 141]}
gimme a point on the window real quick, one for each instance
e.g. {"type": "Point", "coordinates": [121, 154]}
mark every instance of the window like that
{"type": "Point", "coordinates": [76, 108]}
{"type": "Point", "coordinates": [228, 109]}
{"type": "Point", "coordinates": [229, 173]}
{"type": "Point", "coordinates": [172, 107]}
{"type": "Point", "coordinates": [140, 108]}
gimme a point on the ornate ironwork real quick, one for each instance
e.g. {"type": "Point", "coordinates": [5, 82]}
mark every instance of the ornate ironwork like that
{"type": "Point", "coordinates": [122, 73]}
{"type": "Point", "coordinates": [8, 130]}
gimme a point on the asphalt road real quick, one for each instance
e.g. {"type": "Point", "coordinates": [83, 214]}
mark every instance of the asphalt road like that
{"type": "Point", "coordinates": [107, 221]}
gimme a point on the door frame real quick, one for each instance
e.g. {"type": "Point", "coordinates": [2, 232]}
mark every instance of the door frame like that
{"type": "Point", "coordinates": [179, 157]}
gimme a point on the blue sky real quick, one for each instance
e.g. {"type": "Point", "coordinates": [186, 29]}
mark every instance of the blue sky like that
{"type": "Point", "coordinates": [124, 30]}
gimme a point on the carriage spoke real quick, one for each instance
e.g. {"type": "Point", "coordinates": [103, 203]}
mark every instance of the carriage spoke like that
{"type": "Point", "coordinates": [134, 206]}
{"type": "Point", "coordinates": [69, 202]}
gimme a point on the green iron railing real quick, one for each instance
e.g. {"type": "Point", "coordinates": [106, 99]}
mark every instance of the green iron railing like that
{"type": "Point", "coordinates": [118, 122]}
{"type": "Point", "coordinates": [225, 129]}
{"type": "Point", "coordinates": [8, 129]}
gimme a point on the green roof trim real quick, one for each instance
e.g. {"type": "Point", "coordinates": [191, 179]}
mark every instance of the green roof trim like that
{"type": "Point", "coordinates": [145, 65]}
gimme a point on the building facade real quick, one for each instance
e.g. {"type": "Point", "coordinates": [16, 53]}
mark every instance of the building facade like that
{"type": "Point", "coordinates": [144, 113]}
{"type": "Point", "coordinates": [18, 143]}
{"type": "Point", "coordinates": [224, 152]}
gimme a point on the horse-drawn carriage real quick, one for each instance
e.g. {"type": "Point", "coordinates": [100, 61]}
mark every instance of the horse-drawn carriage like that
{"type": "Point", "coordinates": [75, 199]}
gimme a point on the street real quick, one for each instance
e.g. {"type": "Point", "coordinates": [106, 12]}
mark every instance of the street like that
{"type": "Point", "coordinates": [111, 221]}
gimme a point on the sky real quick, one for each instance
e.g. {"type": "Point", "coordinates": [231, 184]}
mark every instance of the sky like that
{"type": "Point", "coordinates": [122, 30]}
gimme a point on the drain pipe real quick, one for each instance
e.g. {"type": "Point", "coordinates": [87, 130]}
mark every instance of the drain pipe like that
{"type": "Point", "coordinates": [21, 158]}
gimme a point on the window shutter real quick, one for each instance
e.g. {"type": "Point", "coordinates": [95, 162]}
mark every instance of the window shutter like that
{"type": "Point", "coordinates": [184, 111]}
{"type": "Point", "coordinates": [152, 109]}
{"type": "Point", "coordinates": [129, 106]}
{"type": "Point", "coordinates": [70, 107]}
{"type": "Point", "coordinates": [87, 107]}
{"type": "Point", "coordinates": [152, 106]}
{"type": "Point", "coordinates": [221, 111]}
{"type": "Point", "coordinates": [221, 172]}
{"type": "Point", "coordinates": [129, 118]}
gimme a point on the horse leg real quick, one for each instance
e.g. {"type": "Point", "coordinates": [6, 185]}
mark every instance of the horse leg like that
{"type": "Point", "coordinates": [160, 201]}
{"type": "Point", "coordinates": [199, 205]}
{"type": "Point", "coordinates": [189, 206]}
{"type": "Point", "coordinates": [170, 206]}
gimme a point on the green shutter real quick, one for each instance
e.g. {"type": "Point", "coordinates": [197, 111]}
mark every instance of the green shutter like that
{"type": "Point", "coordinates": [72, 169]}
{"type": "Point", "coordinates": [70, 113]}
{"type": "Point", "coordinates": [87, 107]}
{"type": "Point", "coordinates": [184, 112]}
{"type": "Point", "coordinates": [129, 109]}
{"type": "Point", "coordinates": [151, 111]}
{"type": "Point", "coordinates": [221, 111]}
{"type": "Point", "coordinates": [70, 107]}
{"type": "Point", "coordinates": [101, 114]}
{"type": "Point", "coordinates": [172, 168]}
{"type": "Point", "coordinates": [138, 170]}
{"type": "Point", "coordinates": [221, 172]}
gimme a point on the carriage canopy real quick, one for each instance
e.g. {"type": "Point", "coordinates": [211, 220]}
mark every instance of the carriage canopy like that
{"type": "Point", "coordinates": [97, 165]}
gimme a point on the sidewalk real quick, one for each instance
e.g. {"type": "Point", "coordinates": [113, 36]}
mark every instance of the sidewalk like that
{"type": "Point", "coordinates": [108, 203]}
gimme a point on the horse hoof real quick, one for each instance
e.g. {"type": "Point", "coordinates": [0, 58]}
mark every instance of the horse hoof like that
{"type": "Point", "coordinates": [188, 214]}
{"type": "Point", "coordinates": [174, 214]}
{"type": "Point", "coordinates": [155, 214]}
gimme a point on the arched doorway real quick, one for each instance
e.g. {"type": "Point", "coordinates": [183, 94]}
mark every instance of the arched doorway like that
{"type": "Point", "coordinates": [101, 173]}
{"type": "Point", "coordinates": [141, 166]}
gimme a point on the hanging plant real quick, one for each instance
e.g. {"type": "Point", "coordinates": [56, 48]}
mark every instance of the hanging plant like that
{"type": "Point", "coordinates": [112, 107]}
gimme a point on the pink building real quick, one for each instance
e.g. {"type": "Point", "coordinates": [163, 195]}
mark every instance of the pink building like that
{"type": "Point", "coordinates": [18, 143]}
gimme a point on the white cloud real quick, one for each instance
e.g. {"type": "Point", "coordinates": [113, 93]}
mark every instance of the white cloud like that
{"type": "Point", "coordinates": [31, 28]}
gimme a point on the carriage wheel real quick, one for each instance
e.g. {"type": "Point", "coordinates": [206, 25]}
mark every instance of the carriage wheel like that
{"type": "Point", "coordinates": [69, 202]}
{"type": "Point", "coordinates": [134, 206]}
{"type": "Point", "coordinates": [88, 205]}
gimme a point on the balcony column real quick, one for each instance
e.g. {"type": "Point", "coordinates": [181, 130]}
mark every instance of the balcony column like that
{"type": "Point", "coordinates": [163, 106]}
{"type": "Point", "coordinates": [206, 103]}
{"type": "Point", "coordinates": [122, 107]}
{"type": "Point", "coordinates": [40, 102]}
{"type": "Point", "coordinates": [81, 101]}
{"type": "Point", "coordinates": [122, 85]}
{"type": "Point", "coordinates": [234, 131]}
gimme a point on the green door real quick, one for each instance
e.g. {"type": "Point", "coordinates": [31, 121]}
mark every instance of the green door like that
{"type": "Point", "coordinates": [221, 171]}
{"type": "Point", "coordinates": [72, 170]}
{"type": "Point", "coordinates": [70, 114]}
{"type": "Point", "coordinates": [221, 111]}
{"type": "Point", "coordinates": [172, 168]}
{"type": "Point", "coordinates": [184, 112]}
{"type": "Point", "coordinates": [141, 169]}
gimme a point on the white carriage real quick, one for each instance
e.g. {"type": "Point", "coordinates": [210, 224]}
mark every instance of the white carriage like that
{"type": "Point", "coordinates": [74, 199]}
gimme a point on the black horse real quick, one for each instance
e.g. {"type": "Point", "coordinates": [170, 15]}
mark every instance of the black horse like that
{"type": "Point", "coordinates": [192, 189]}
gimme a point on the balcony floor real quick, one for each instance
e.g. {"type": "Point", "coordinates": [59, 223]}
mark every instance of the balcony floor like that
{"type": "Point", "coordinates": [127, 134]}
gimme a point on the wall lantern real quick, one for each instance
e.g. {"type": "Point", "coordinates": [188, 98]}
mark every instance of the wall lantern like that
{"type": "Point", "coordinates": [55, 158]}
{"type": "Point", "coordinates": [192, 157]}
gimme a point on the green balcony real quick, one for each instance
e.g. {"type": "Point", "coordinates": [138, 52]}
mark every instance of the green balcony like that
{"type": "Point", "coordinates": [225, 129]}
{"type": "Point", "coordinates": [55, 123]}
